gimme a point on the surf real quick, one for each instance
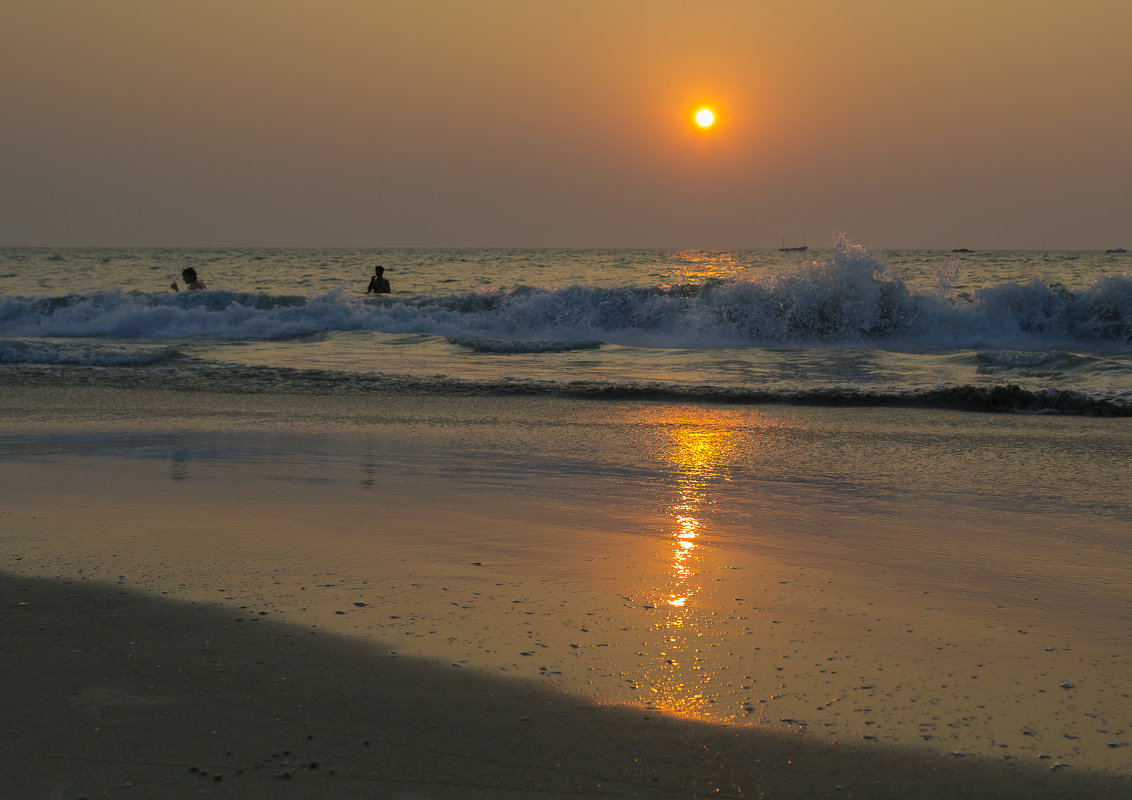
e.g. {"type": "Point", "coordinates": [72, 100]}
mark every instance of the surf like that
{"type": "Point", "coordinates": [852, 299]}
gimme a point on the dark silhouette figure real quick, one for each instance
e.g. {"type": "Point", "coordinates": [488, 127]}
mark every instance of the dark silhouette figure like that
{"type": "Point", "coordinates": [189, 275]}
{"type": "Point", "coordinates": [378, 283]}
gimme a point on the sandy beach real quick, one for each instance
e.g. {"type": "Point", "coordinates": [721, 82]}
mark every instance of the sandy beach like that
{"type": "Point", "coordinates": [499, 598]}
{"type": "Point", "coordinates": [109, 693]}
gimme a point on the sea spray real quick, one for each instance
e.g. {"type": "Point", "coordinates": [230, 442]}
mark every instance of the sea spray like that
{"type": "Point", "coordinates": [853, 298]}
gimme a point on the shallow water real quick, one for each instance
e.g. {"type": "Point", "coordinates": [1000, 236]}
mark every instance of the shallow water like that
{"type": "Point", "coordinates": [985, 331]}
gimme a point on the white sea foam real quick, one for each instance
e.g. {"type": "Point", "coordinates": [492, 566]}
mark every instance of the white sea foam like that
{"type": "Point", "coordinates": [852, 299]}
{"type": "Point", "coordinates": [847, 328]}
{"type": "Point", "coordinates": [20, 351]}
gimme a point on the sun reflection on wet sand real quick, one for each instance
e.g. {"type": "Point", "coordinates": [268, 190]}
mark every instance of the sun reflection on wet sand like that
{"type": "Point", "coordinates": [702, 447]}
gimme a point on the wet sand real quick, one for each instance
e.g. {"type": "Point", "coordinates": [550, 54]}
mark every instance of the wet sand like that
{"type": "Point", "coordinates": [111, 693]}
{"type": "Point", "coordinates": [509, 598]}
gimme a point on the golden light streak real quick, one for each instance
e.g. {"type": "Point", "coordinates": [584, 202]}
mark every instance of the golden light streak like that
{"type": "Point", "coordinates": [700, 446]}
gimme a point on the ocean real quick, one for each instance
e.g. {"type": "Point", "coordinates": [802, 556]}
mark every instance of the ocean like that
{"type": "Point", "coordinates": [869, 497]}
{"type": "Point", "coordinates": [998, 330]}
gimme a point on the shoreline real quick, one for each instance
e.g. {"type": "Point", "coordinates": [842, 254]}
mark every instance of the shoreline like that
{"type": "Point", "coordinates": [108, 689]}
{"type": "Point", "coordinates": [778, 572]}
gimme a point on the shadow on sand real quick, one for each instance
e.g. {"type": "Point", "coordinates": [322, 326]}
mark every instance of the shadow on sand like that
{"type": "Point", "coordinates": [111, 693]}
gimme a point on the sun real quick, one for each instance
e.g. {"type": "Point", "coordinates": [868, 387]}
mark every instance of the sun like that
{"type": "Point", "coordinates": [705, 118]}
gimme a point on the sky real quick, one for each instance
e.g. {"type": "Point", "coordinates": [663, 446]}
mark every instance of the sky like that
{"type": "Point", "coordinates": [566, 123]}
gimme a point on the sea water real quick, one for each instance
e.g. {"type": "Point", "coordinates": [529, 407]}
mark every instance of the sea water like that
{"type": "Point", "coordinates": [1013, 331]}
{"type": "Point", "coordinates": [743, 486]}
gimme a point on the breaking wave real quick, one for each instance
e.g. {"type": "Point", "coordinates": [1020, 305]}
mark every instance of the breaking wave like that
{"type": "Point", "coordinates": [853, 299]}
{"type": "Point", "coordinates": [19, 351]}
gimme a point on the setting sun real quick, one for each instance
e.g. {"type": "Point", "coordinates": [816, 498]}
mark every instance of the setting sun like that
{"type": "Point", "coordinates": [705, 118]}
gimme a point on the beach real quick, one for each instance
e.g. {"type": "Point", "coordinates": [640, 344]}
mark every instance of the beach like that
{"type": "Point", "coordinates": [129, 696]}
{"type": "Point", "coordinates": [509, 400]}
{"type": "Point", "coordinates": [538, 596]}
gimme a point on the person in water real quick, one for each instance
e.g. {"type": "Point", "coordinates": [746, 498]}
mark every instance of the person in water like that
{"type": "Point", "coordinates": [378, 283]}
{"type": "Point", "coordinates": [189, 275]}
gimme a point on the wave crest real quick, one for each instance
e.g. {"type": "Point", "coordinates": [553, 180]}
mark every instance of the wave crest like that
{"type": "Point", "coordinates": [519, 346]}
{"type": "Point", "coordinates": [852, 299]}
{"type": "Point", "coordinates": [996, 398]}
{"type": "Point", "coordinates": [19, 351]}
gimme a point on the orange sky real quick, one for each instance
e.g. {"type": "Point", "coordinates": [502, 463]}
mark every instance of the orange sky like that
{"type": "Point", "coordinates": [566, 122]}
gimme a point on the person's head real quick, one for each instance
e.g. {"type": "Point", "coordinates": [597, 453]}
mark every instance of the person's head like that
{"type": "Point", "coordinates": [189, 275]}
{"type": "Point", "coordinates": [379, 271]}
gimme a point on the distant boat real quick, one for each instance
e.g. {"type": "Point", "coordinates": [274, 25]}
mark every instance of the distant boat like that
{"type": "Point", "coordinates": [961, 250]}
{"type": "Point", "coordinates": [796, 249]}
{"type": "Point", "coordinates": [1116, 250]}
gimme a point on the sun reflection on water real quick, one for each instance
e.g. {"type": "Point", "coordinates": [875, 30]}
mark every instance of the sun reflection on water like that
{"type": "Point", "coordinates": [702, 446]}
{"type": "Point", "coordinates": [699, 266]}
